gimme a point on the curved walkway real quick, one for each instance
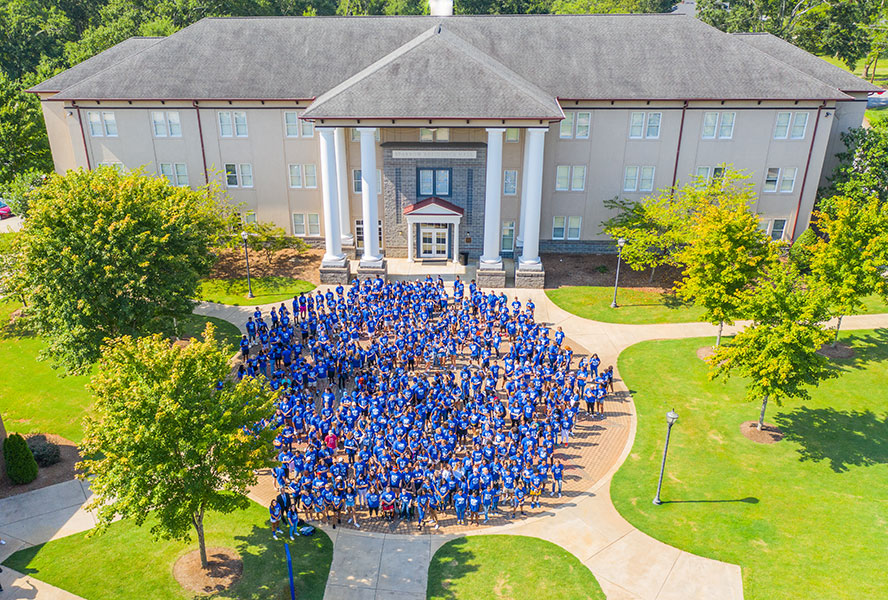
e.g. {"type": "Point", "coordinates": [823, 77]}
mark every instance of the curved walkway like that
{"type": "Point", "coordinates": [629, 564]}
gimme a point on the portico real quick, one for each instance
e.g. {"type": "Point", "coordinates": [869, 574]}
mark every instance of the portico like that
{"type": "Point", "coordinates": [433, 230]}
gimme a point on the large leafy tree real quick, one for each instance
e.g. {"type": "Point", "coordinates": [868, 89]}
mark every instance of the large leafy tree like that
{"type": "Point", "coordinates": [172, 435]}
{"type": "Point", "coordinates": [29, 30]}
{"type": "Point", "coordinates": [862, 169]}
{"type": "Point", "coordinates": [649, 240]}
{"type": "Point", "coordinates": [102, 254]}
{"type": "Point", "coordinates": [727, 251]}
{"type": "Point", "coordinates": [23, 142]}
{"type": "Point", "coordinates": [849, 260]}
{"type": "Point", "coordinates": [777, 354]}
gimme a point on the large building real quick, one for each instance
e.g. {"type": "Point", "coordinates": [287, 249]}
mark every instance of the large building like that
{"type": "Point", "coordinates": [430, 137]}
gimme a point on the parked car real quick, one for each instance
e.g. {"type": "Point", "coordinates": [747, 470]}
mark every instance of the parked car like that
{"type": "Point", "coordinates": [5, 211]}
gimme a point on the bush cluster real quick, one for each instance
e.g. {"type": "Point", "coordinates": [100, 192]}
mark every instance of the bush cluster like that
{"type": "Point", "coordinates": [45, 452]}
{"type": "Point", "coordinates": [20, 464]}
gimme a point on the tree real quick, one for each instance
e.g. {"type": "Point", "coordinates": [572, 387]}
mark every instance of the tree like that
{"type": "Point", "coordinates": [23, 141]}
{"type": "Point", "coordinates": [726, 253]}
{"type": "Point", "coordinates": [578, 7]}
{"type": "Point", "coordinates": [102, 254]}
{"type": "Point", "coordinates": [777, 353]}
{"type": "Point", "coordinates": [17, 191]}
{"type": "Point", "coordinates": [173, 435]}
{"type": "Point", "coordinates": [269, 239]}
{"type": "Point", "coordinates": [650, 242]}
{"type": "Point", "coordinates": [862, 169]}
{"type": "Point", "coordinates": [848, 261]}
{"type": "Point", "coordinates": [29, 30]}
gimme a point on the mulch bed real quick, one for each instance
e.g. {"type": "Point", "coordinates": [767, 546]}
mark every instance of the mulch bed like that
{"type": "Point", "coordinates": [286, 263]}
{"type": "Point", "coordinates": [705, 352]}
{"type": "Point", "coordinates": [225, 569]}
{"type": "Point", "coordinates": [841, 351]}
{"type": "Point", "coordinates": [600, 269]}
{"type": "Point", "coordinates": [770, 434]}
{"type": "Point", "coordinates": [61, 471]}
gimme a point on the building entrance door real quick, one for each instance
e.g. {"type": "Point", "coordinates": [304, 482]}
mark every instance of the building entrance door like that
{"type": "Point", "coordinates": [433, 241]}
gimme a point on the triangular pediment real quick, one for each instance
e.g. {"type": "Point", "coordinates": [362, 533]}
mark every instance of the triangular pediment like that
{"type": "Point", "coordinates": [434, 207]}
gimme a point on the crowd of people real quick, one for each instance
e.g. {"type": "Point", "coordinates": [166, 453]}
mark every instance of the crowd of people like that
{"type": "Point", "coordinates": [403, 401]}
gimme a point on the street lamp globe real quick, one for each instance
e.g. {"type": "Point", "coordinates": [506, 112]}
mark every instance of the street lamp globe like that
{"type": "Point", "coordinates": [621, 242]}
{"type": "Point", "coordinates": [244, 235]}
{"type": "Point", "coordinates": [671, 417]}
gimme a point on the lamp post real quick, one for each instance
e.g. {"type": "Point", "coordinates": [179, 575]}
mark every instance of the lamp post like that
{"type": "Point", "coordinates": [620, 243]}
{"type": "Point", "coordinates": [245, 235]}
{"type": "Point", "coordinates": [671, 418]}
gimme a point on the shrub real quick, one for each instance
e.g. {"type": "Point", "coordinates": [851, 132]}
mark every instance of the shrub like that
{"type": "Point", "coordinates": [20, 464]}
{"type": "Point", "coordinates": [45, 452]}
{"type": "Point", "coordinates": [800, 252]}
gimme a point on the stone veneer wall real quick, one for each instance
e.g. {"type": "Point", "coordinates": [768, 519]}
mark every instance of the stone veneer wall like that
{"type": "Point", "coordinates": [577, 247]}
{"type": "Point", "coordinates": [466, 191]}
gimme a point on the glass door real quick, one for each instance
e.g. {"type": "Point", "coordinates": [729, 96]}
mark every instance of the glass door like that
{"type": "Point", "coordinates": [433, 241]}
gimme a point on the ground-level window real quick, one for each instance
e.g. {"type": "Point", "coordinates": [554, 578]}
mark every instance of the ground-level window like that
{"type": "Point", "coordinates": [249, 217]}
{"type": "Point", "coordinates": [508, 236]}
{"type": "Point", "coordinates": [306, 224]}
{"type": "Point", "coordinates": [359, 233]}
{"type": "Point", "coordinates": [176, 173]}
{"type": "Point", "coordinates": [573, 227]}
{"type": "Point", "coordinates": [558, 228]}
{"type": "Point", "coordinates": [775, 228]}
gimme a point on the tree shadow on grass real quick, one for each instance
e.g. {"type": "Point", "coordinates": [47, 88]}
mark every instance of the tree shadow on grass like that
{"type": "Point", "coordinates": [265, 566]}
{"type": "Point", "coordinates": [868, 347]}
{"type": "Point", "coordinates": [452, 561]}
{"type": "Point", "coordinates": [845, 438]}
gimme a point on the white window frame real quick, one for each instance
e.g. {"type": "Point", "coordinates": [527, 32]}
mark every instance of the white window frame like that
{"type": "Point", "coordinates": [774, 185]}
{"type": "Point", "coordinates": [357, 187]}
{"type": "Point", "coordinates": [310, 174]}
{"type": "Point", "coordinates": [507, 231]}
{"type": "Point", "coordinates": [767, 225]}
{"type": "Point", "coordinates": [250, 216]}
{"type": "Point", "coordinates": [294, 176]}
{"type": "Point", "coordinates": [245, 174]}
{"type": "Point", "coordinates": [570, 226]}
{"type": "Point", "coordinates": [710, 125]}
{"type": "Point", "coordinates": [306, 129]}
{"type": "Point", "coordinates": [574, 170]}
{"type": "Point", "coordinates": [566, 127]}
{"type": "Point", "coordinates": [313, 224]}
{"type": "Point", "coordinates": [562, 227]}
{"type": "Point", "coordinates": [513, 134]}
{"type": "Point", "coordinates": [175, 173]}
{"type": "Point", "coordinates": [225, 123]}
{"type": "Point", "coordinates": [647, 126]}
{"type": "Point", "coordinates": [295, 124]}
{"type": "Point", "coordinates": [355, 135]}
{"type": "Point", "coordinates": [169, 124]}
{"type": "Point", "coordinates": [359, 233]}
{"type": "Point", "coordinates": [510, 190]}
{"type": "Point", "coordinates": [229, 173]}
{"type": "Point", "coordinates": [799, 116]}
{"type": "Point", "coordinates": [299, 225]}
{"type": "Point", "coordinates": [426, 135]}
{"type": "Point", "coordinates": [722, 135]}
{"type": "Point", "coordinates": [636, 125]}
{"type": "Point", "coordinates": [166, 170]}
{"type": "Point", "coordinates": [583, 125]}
{"type": "Point", "coordinates": [781, 130]}
{"type": "Point", "coordinates": [702, 176]}
{"type": "Point", "coordinates": [442, 134]}
{"type": "Point", "coordinates": [642, 187]}
{"type": "Point", "coordinates": [118, 166]}
{"type": "Point", "coordinates": [239, 119]}
{"type": "Point", "coordinates": [627, 187]}
{"type": "Point", "coordinates": [102, 123]}
{"type": "Point", "coordinates": [787, 175]}
{"type": "Point", "coordinates": [562, 172]}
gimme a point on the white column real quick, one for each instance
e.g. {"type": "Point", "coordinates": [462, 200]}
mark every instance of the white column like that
{"type": "Point", "coordinates": [530, 256]}
{"type": "Point", "coordinates": [342, 187]}
{"type": "Point", "coordinates": [369, 200]}
{"type": "Point", "coordinates": [411, 243]}
{"type": "Point", "coordinates": [519, 241]}
{"type": "Point", "coordinates": [490, 259]}
{"type": "Point", "coordinates": [333, 240]}
{"type": "Point", "coordinates": [456, 243]}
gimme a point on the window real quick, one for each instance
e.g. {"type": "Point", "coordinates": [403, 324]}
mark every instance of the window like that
{"type": "Point", "coordinates": [787, 180]}
{"type": "Point", "coordinates": [232, 123]}
{"type": "Point", "coordinates": [166, 124]}
{"type": "Point", "coordinates": [176, 173]}
{"type": "Point", "coordinates": [356, 135]}
{"type": "Point", "coordinates": [314, 224]}
{"type": "Point", "coordinates": [250, 217]}
{"type": "Point", "coordinates": [507, 243]}
{"type": "Point", "coordinates": [434, 182]}
{"type": "Point", "coordinates": [562, 178]}
{"type": "Point", "coordinates": [510, 182]}
{"type": "Point", "coordinates": [512, 134]}
{"type": "Point", "coordinates": [799, 124]}
{"type": "Point", "coordinates": [584, 120]}
{"type": "Point", "coordinates": [558, 228]}
{"type": "Point", "coordinates": [718, 172]}
{"type": "Point", "coordinates": [630, 179]}
{"type": "Point", "coordinates": [578, 178]}
{"type": "Point", "coordinates": [636, 125]}
{"type": "Point", "coordinates": [710, 124]}
{"type": "Point", "coordinates": [726, 129]}
{"type": "Point", "coordinates": [441, 135]}
{"type": "Point", "coordinates": [356, 181]}
{"type": "Point", "coordinates": [426, 135]}
{"type": "Point", "coordinates": [573, 227]}
{"type": "Point", "coordinates": [771, 180]}
{"type": "Point", "coordinates": [112, 163]}
{"type": "Point", "coordinates": [295, 176]}
{"type": "Point", "coordinates": [291, 120]}
{"type": "Point", "coordinates": [778, 227]}
{"type": "Point", "coordinates": [567, 125]}
{"type": "Point", "coordinates": [307, 129]}
{"type": "Point", "coordinates": [310, 176]}
{"type": "Point", "coordinates": [653, 125]}
{"type": "Point", "coordinates": [298, 224]}
{"type": "Point", "coordinates": [646, 181]}
{"type": "Point", "coordinates": [781, 130]}
{"type": "Point", "coordinates": [102, 124]}
{"type": "Point", "coordinates": [702, 177]}
{"type": "Point", "coordinates": [359, 233]}
{"type": "Point", "coordinates": [239, 175]}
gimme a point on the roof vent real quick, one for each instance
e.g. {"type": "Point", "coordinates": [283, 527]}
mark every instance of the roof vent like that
{"type": "Point", "coordinates": [441, 8]}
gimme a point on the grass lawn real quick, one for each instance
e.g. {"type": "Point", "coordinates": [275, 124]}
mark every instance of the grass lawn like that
{"type": "Point", "coordinates": [504, 566]}
{"type": "Point", "coordinates": [634, 306]}
{"type": "Point", "coordinates": [125, 562]}
{"type": "Point", "coordinates": [265, 289]}
{"type": "Point", "coordinates": [804, 518]}
{"type": "Point", "coordinates": [35, 398]}
{"type": "Point", "coordinates": [881, 67]}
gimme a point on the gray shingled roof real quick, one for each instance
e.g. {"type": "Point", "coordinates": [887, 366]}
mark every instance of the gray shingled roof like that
{"type": "Point", "coordinates": [644, 57]}
{"type": "Point", "coordinates": [97, 63]}
{"type": "Point", "coordinates": [807, 63]}
{"type": "Point", "coordinates": [426, 69]}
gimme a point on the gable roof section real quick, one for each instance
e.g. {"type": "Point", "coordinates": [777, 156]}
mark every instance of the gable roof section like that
{"type": "Point", "coordinates": [806, 62]}
{"type": "Point", "coordinates": [95, 64]}
{"type": "Point", "coordinates": [434, 206]}
{"type": "Point", "coordinates": [623, 57]}
{"type": "Point", "coordinates": [436, 74]}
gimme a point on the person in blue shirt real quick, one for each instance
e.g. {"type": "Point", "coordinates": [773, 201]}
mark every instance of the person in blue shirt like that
{"type": "Point", "coordinates": [487, 503]}
{"type": "Point", "coordinates": [557, 476]}
{"type": "Point", "coordinates": [460, 502]}
{"type": "Point", "coordinates": [275, 514]}
{"type": "Point", "coordinates": [351, 498]}
{"type": "Point", "coordinates": [245, 348]}
{"type": "Point", "coordinates": [474, 507]}
{"type": "Point", "coordinates": [373, 502]}
{"type": "Point", "coordinates": [293, 520]}
{"type": "Point", "coordinates": [536, 489]}
{"type": "Point", "coordinates": [387, 502]}
{"type": "Point", "coordinates": [518, 498]}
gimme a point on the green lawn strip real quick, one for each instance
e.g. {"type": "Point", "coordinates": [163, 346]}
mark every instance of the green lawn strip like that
{"type": "Point", "coordinates": [126, 562]}
{"type": "Point", "coordinates": [35, 398]}
{"type": "Point", "coordinates": [804, 518]}
{"type": "Point", "coordinates": [265, 290]}
{"type": "Point", "coordinates": [873, 305]}
{"type": "Point", "coordinates": [881, 68]}
{"type": "Point", "coordinates": [634, 306]}
{"type": "Point", "coordinates": [504, 566]}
